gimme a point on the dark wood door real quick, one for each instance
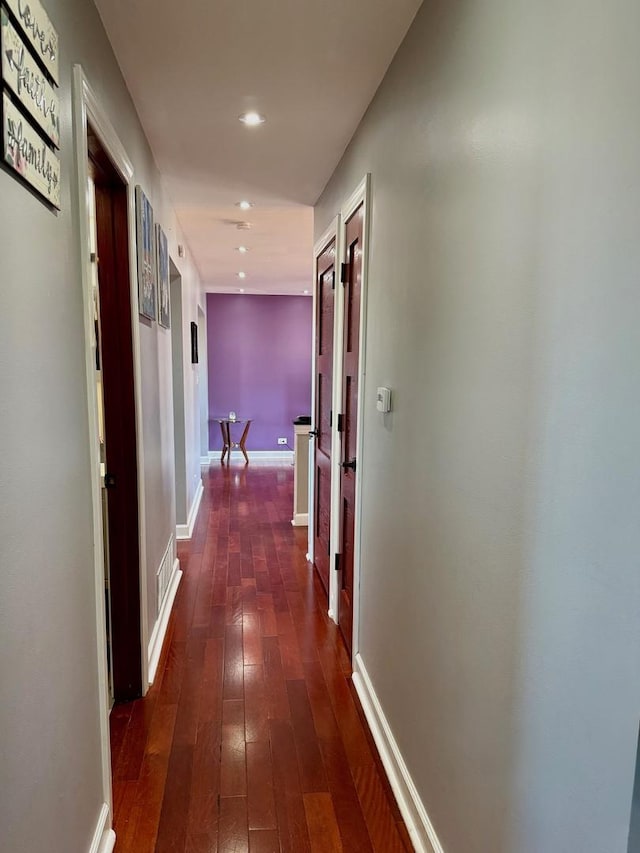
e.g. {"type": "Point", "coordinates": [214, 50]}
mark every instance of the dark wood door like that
{"type": "Point", "coordinates": [352, 290]}
{"type": "Point", "coordinates": [325, 307]}
{"type": "Point", "coordinates": [121, 476]}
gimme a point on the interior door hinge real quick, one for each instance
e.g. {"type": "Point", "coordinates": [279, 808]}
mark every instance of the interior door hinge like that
{"type": "Point", "coordinates": [330, 418]}
{"type": "Point", "coordinates": [336, 564]}
{"type": "Point", "coordinates": [340, 423]}
{"type": "Point", "coordinates": [333, 280]}
{"type": "Point", "coordinates": [344, 273]}
{"type": "Point", "coordinates": [328, 549]}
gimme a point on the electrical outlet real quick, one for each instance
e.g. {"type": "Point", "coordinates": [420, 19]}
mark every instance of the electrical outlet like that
{"type": "Point", "coordinates": [282, 441]}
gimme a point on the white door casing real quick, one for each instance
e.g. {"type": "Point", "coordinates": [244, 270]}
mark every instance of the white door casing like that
{"type": "Point", "coordinates": [87, 109]}
{"type": "Point", "coordinates": [337, 229]}
{"type": "Point", "coordinates": [361, 195]}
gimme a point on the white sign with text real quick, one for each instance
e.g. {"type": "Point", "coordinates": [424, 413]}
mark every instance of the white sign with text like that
{"type": "Point", "coordinates": [29, 84]}
{"type": "Point", "coordinates": [38, 29]}
{"type": "Point", "coordinates": [28, 154]}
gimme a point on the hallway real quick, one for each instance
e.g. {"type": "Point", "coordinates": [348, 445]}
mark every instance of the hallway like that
{"type": "Point", "coordinates": [251, 737]}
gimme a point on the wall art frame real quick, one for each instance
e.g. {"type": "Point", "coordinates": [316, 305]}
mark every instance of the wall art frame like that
{"type": "Point", "coordinates": [162, 267]}
{"type": "Point", "coordinates": [145, 250]}
{"type": "Point", "coordinates": [194, 343]}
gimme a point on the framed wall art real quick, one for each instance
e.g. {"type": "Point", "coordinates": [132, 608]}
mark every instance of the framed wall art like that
{"type": "Point", "coordinates": [146, 260]}
{"type": "Point", "coordinates": [194, 343]}
{"type": "Point", "coordinates": [162, 267]}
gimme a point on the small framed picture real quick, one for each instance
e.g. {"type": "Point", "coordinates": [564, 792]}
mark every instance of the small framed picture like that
{"type": "Point", "coordinates": [162, 266]}
{"type": "Point", "coordinates": [146, 260]}
{"type": "Point", "coordinates": [194, 343]}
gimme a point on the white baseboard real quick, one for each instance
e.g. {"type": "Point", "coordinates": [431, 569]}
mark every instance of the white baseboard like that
{"type": "Point", "coordinates": [423, 835]}
{"type": "Point", "coordinates": [300, 519]}
{"type": "Point", "coordinates": [214, 455]}
{"type": "Point", "coordinates": [160, 628]}
{"type": "Point", "coordinates": [185, 531]}
{"type": "Point", "coordinates": [204, 460]}
{"type": "Point", "coordinates": [104, 838]}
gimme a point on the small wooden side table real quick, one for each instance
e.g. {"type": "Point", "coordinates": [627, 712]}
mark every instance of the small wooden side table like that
{"type": "Point", "coordinates": [227, 443]}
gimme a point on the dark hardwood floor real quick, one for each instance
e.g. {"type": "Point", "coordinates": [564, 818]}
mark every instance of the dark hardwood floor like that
{"type": "Point", "coordinates": [251, 737]}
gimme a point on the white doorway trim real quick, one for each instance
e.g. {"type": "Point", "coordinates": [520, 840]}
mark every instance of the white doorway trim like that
{"type": "Point", "coordinates": [330, 234]}
{"type": "Point", "coordinates": [361, 195]}
{"type": "Point", "coordinates": [87, 109]}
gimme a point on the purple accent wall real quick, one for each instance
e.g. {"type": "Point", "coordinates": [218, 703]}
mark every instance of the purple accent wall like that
{"type": "Point", "coordinates": [259, 351]}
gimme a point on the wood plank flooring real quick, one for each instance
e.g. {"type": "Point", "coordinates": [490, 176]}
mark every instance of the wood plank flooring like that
{"type": "Point", "coordinates": [251, 739]}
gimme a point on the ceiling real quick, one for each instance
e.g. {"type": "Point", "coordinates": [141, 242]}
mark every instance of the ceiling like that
{"type": "Point", "coordinates": [310, 66]}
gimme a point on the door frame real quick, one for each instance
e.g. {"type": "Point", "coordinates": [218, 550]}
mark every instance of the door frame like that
{"type": "Point", "coordinates": [361, 195]}
{"type": "Point", "coordinates": [87, 109]}
{"type": "Point", "coordinates": [331, 233]}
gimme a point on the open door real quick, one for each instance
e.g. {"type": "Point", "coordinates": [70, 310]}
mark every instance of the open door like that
{"type": "Point", "coordinates": [117, 421]}
{"type": "Point", "coordinates": [324, 320]}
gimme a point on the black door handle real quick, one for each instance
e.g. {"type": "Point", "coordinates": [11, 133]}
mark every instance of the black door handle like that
{"type": "Point", "coordinates": [314, 432]}
{"type": "Point", "coordinates": [351, 464]}
{"type": "Point", "coordinates": [109, 481]}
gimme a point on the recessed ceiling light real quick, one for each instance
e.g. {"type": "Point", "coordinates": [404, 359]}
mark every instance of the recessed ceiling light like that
{"type": "Point", "coordinates": [242, 249]}
{"type": "Point", "coordinates": [244, 205]}
{"type": "Point", "coordinates": [252, 118]}
{"type": "Point", "coordinates": [241, 290]}
{"type": "Point", "coordinates": [242, 275]}
{"type": "Point", "coordinates": [306, 292]}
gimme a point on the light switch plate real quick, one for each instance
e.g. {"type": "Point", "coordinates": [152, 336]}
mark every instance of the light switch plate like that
{"type": "Point", "coordinates": [383, 400]}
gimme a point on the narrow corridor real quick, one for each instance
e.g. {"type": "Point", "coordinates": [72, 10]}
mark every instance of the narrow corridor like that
{"type": "Point", "coordinates": [251, 738]}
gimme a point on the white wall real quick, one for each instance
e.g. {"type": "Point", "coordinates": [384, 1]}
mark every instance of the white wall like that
{"type": "Point", "coordinates": [158, 409]}
{"type": "Point", "coordinates": [192, 298]}
{"type": "Point", "coordinates": [500, 540]}
{"type": "Point", "coordinates": [50, 774]}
